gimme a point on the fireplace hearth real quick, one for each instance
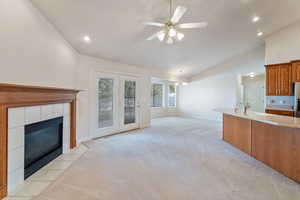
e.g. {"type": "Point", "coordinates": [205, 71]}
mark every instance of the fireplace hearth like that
{"type": "Point", "coordinates": [43, 143]}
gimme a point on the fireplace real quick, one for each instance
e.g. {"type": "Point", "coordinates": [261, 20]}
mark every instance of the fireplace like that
{"type": "Point", "coordinates": [43, 143]}
{"type": "Point", "coordinates": [24, 105]}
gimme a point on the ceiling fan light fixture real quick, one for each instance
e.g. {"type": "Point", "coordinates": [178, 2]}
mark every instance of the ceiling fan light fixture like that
{"type": "Point", "coordinates": [172, 32]}
{"type": "Point", "coordinates": [170, 40]}
{"type": "Point", "coordinates": [170, 29]}
{"type": "Point", "coordinates": [161, 36]}
{"type": "Point", "coordinates": [180, 36]}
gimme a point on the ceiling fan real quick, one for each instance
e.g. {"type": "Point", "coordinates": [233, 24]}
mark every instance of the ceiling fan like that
{"type": "Point", "coordinates": [170, 32]}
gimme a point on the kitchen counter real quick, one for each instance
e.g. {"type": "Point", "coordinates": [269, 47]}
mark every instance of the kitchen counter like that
{"type": "Point", "coordinates": [277, 120]}
{"type": "Point", "coordinates": [271, 139]}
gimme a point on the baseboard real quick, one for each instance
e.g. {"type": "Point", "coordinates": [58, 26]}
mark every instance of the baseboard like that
{"type": "Point", "coordinates": [202, 118]}
{"type": "Point", "coordinates": [83, 140]}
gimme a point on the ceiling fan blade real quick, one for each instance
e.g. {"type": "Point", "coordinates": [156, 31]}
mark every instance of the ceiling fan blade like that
{"type": "Point", "coordinates": [154, 35]}
{"type": "Point", "coordinates": [193, 25]}
{"type": "Point", "coordinates": [179, 12]}
{"type": "Point", "coordinates": [154, 24]}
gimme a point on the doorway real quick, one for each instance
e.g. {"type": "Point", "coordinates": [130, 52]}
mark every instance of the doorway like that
{"type": "Point", "coordinates": [253, 92]}
{"type": "Point", "coordinates": [117, 104]}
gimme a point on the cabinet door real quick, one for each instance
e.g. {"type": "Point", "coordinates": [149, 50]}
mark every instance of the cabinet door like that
{"type": "Point", "coordinates": [285, 83]}
{"type": "Point", "coordinates": [296, 71]}
{"type": "Point", "coordinates": [296, 141]}
{"type": "Point", "coordinates": [277, 147]}
{"type": "Point", "coordinates": [237, 131]}
{"type": "Point", "coordinates": [280, 112]}
{"type": "Point", "coordinates": [272, 83]}
{"type": "Point", "coordinates": [288, 152]}
{"type": "Point", "coordinates": [265, 144]}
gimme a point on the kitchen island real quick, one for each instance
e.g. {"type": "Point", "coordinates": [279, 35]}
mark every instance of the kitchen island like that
{"type": "Point", "coordinates": [271, 139]}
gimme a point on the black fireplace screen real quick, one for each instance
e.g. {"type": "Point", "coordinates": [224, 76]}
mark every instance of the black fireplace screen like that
{"type": "Point", "coordinates": [43, 143]}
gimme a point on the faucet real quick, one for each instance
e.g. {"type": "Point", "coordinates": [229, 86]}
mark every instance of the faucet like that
{"type": "Point", "coordinates": [243, 107]}
{"type": "Point", "coordinates": [246, 107]}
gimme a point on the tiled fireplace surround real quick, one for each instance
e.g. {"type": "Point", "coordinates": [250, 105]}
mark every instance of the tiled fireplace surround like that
{"type": "Point", "coordinates": [21, 105]}
{"type": "Point", "coordinates": [17, 119]}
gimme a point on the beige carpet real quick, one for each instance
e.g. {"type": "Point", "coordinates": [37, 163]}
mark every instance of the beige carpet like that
{"type": "Point", "coordinates": [175, 159]}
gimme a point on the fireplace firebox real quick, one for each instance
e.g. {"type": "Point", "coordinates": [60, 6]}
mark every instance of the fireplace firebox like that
{"type": "Point", "coordinates": [43, 143]}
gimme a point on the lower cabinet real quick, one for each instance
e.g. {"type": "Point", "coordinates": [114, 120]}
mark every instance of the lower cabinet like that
{"type": "Point", "coordinates": [277, 147]}
{"type": "Point", "coordinates": [280, 112]}
{"type": "Point", "coordinates": [237, 131]}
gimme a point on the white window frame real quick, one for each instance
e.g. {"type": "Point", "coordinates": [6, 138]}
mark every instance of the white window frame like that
{"type": "Point", "coordinates": [163, 94]}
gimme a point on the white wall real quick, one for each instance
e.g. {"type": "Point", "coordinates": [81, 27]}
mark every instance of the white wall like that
{"type": "Point", "coordinates": [216, 87]}
{"type": "Point", "coordinates": [86, 80]}
{"type": "Point", "coordinates": [32, 51]}
{"type": "Point", "coordinates": [284, 45]}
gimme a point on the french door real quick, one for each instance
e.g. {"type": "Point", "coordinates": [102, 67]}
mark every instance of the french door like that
{"type": "Point", "coordinates": [117, 104]}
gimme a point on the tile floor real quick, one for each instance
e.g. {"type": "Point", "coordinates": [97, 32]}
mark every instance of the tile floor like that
{"type": "Point", "coordinates": [35, 184]}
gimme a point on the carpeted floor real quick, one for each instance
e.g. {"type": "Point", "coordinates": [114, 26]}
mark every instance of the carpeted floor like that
{"type": "Point", "coordinates": [175, 159]}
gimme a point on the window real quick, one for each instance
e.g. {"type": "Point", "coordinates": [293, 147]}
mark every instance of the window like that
{"type": "Point", "coordinates": [172, 95]}
{"type": "Point", "coordinates": [157, 95]}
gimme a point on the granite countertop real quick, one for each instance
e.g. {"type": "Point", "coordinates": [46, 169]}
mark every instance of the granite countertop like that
{"type": "Point", "coordinates": [277, 120]}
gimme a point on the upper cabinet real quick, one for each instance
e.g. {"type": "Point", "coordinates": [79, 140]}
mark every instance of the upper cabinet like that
{"type": "Point", "coordinates": [285, 80]}
{"type": "Point", "coordinates": [279, 80]}
{"type": "Point", "coordinates": [271, 78]}
{"type": "Point", "coordinates": [296, 71]}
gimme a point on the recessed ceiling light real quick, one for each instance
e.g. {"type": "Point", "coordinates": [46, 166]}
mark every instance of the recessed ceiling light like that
{"type": "Point", "coordinates": [259, 33]}
{"type": "Point", "coordinates": [255, 19]}
{"type": "Point", "coordinates": [87, 38]}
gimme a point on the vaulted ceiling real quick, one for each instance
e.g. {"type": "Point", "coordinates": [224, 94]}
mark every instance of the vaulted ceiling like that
{"type": "Point", "coordinates": [117, 31]}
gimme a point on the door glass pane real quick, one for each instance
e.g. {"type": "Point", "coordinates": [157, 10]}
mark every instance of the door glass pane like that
{"type": "Point", "coordinates": [172, 96]}
{"type": "Point", "coordinates": [157, 95]}
{"type": "Point", "coordinates": [106, 102]}
{"type": "Point", "coordinates": [129, 102]}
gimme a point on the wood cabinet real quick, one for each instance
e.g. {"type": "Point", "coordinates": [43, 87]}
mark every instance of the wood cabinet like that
{"type": "Point", "coordinates": [296, 71]}
{"type": "Point", "coordinates": [285, 80]}
{"type": "Point", "coordinates": [265, 144]}
{"type": "Point", "coordinates": [279, 80]}
{"type": "Point", "coordinates": [237, 131]}
{"type": "Point", "coordinates": [280, 112]}
{"type": "Point", "coordinates": [277, 147]}
{"type": "Point", "coordinates": [272, 83]}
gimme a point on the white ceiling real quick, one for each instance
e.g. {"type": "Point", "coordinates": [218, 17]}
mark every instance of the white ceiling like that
{"type": "Point", "coordinates": [117, 31]}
